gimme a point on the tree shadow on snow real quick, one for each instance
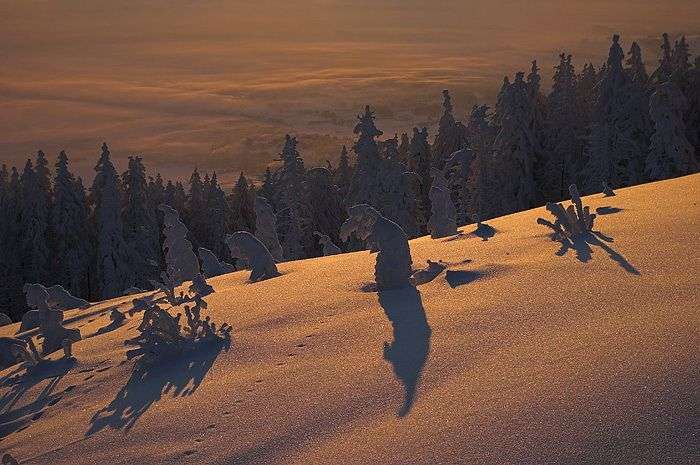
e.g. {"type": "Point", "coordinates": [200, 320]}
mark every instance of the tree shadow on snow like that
{"type": "Point", "coordinates": [583, 244]}
{"type": "Point", "coordinates": [483, 231]}
{"type": "Point", "coordinates": [456, 278]}
{"type": "Point", "coordinates": [175, 375]}
{"type": "Point", "coordinates": [607, 210]}
{"type": "Point", "coordinates": [411, 345]}
{"type": "Point", "coordinates": [20, 418]}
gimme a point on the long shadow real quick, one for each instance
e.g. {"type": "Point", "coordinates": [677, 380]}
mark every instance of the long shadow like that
{"type": "Point", "coordinates": [12, 420]}
{"type": "Point", "coordinates": [608, 210]}
{"type": "Point", "coordinates": [456, 278]}
{"type": "Point", "coordinates": [177, 376]}
{"type": "Point", "coordinates": [583, 244]}
{"type": "Point", "coordinates": [411, 345]}
{"type": "Point", "coordinates": [482, 231]}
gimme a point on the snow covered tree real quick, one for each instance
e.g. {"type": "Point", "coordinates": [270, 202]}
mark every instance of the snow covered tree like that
{"type": "Point", "coordinates": [638, 95]}
{"type": "Point", "coordinates": [325, 202]}
{"type": "Point", "coordinates": [113, 272]}
{"type": "Point", "coordinates": [195, 215]}
{"type": "Point", "coordinates": [342, 177]}
{"type": "Point", "coordinates": [451, 135]}
{"type": "Point", "coordinates": [365, 186]}
{"type": "Point", "coordinates": [140, 225]}
{"type": "Point", "coordinates": [218, 216]}
{"type": "Point", "coordinates": [182, 263]}
{"type": "Point", "coordinates": [614, 148]}
{"type": "Point", "coordinates": [242, 206]}
{"type": "Point", "coordinates": [536, 130]}
{"type": "Point", "coordinates": [670, 154]}
{"type": "Point", "coordinates": [418, 161]}
{"type": "Point", "coordinates": [515, 150]}
{"type": "Point", "coordinates": [34, 221]}
{"type": "Point", "coordinates": [72, 238]}
{"type": "Point", "coordinates": [563, 132]}
{"type": "Point", "coordinates": [266, 228]}
{"type": "Point", "coordinates": [481, 134]}
{"type": "Point", "coordinates": [404, 147]}
{"type": "Point", "coordinates": [11, 281]}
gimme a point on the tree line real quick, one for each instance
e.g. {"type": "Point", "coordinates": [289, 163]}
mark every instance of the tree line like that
{"type": "Point", "coordinates": [618, 124]}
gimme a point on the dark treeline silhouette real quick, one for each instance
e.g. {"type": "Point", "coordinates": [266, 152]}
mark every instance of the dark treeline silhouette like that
{"type": "Point", "coordinates": [617, 124]}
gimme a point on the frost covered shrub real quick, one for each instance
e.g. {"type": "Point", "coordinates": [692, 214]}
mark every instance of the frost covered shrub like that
{"type": "Point", "coordinates": [607, 190]}
{"type": "Point", "coordinates": [161, 333]}
{"type": "Point", "coordinates": [14, 350]}
{"type": "Point", "coordinates": [572, 222]}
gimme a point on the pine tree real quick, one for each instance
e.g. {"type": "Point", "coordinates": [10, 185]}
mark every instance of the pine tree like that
{"type": "Point", "coordinates": [419, 162]}
{"type": "Point", "coordinates": [515, 150]}
{"type": "Point", "coordinates": [450, 136]}
{"type": "Point", "coordinates": [112, 265]}
{"type": "Point", "coordinates": [195, 217]}
{"type": "Point", "coordinates": [34, 221]}
{"type": "Point", "coordinates": [404, 147]}
{"type": "Point", "coordinates": [11, 279]}
{"type": "Point", "coordinates": [242, 205]}
{"type": "Point", "coordinates": [325, 203]}
{"type": "Point", "coordinates": [536, 130]}
{"type": "Point", "coordinates": [481, 134]}
{"type": "Point", "coordinates": [72, 239]}
{"type": "Point", "coordinates": [175, 196]}
{"type": "Point", "coordinates": [638, 95]}
{"type": "Point", "coordinates": [670, 154]}
{"type": "Point", "coordinates": [563, 132]}
{"type": "Point", "coordinates": [140, 225]}
{"type": "Point", "coordinates": [218, 213]}
{"type": "Point", "coordinates": [365, 186]}
{"type": "Point", "coordinates": [343, 174]}
{"type": "Point", "coordinates": [614, 149]}
{"type": "Point", "coordinates": [692, 115]}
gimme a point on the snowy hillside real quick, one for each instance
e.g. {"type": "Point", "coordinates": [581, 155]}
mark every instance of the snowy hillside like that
{"type": "Point", "coordinates": [521, 352]}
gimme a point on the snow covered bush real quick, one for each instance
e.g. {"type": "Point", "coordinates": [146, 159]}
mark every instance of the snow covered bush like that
{"type": "Point", "coordinates": [4, 319]}
{"type": "Point", "coordinates": [393, 267]}
{"type": "Point", "coordinates": [572, 222]}
{"type": "Point", "coordinates": [244, 245]}
{"type": "Point", "coordinates": [161, 333]}
{"type": "Point", "coordinates": [329, 248]}
{"type": "Point", "coordinates": [211, 266]}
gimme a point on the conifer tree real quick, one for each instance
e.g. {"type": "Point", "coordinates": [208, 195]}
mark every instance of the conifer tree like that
{"type": "Point", "coordinates": [670, 154]}
{"type": "Point", "coordinates": [242, 206]}
{"type": "Point", "coordinates": [450, 136]}
{"type": "Point", "coordinates": [404, 147]}
{"type": "Point", "coordinates": [614, 149]}
{"type": "Point", "coordinates": [638, 95]}
{"type": "Point", "coordinates": [140, 225]}
{"type": "Point", "coordinates": [515, 150]}
{"type": "Point", "coordinates": [34, 220]}
{"type": "Point", "coordinates": [112, 265]}
{"type": "Point", "coordinates": [195, 217]}
{"type": "Point", "coordinates": [11, 279]}
{"type": "Point", "coordinates": [365, 186]}
{"type": "Point", "coordinates": [481, 135]}
{"type": "Point", "coordinates": [563, 132]}
{"type": "Point", "coordinates": [72, 239]}
{"type": "Point", "coordinates": [325, 203]}
{"type": "Point", "coordinates": [419, 162]}
{"type": "Point", "coordinates": [218, 214]}
{"type": "Point", "coordinates": [343, 174]}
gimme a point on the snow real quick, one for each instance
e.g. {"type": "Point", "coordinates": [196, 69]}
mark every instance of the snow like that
{"type": "Point", "coordinates": [514, 355]}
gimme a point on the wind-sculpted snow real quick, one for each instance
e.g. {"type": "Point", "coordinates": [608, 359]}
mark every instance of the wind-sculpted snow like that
{"type": "Point", "coordinates": [244, 245]}
{"type": "Point", "coordinates": [393, 266]}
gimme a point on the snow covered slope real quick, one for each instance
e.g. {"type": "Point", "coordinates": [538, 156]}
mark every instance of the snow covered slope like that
{"type": "Point", "coordinates": [516, 355]}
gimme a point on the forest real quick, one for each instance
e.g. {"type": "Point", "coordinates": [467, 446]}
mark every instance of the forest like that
{"type": "Point", "coordinates": [618, 124]}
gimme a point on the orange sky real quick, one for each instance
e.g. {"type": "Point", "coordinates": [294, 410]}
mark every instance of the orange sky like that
{"type": "Point", "coordinates": [218, 83]}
